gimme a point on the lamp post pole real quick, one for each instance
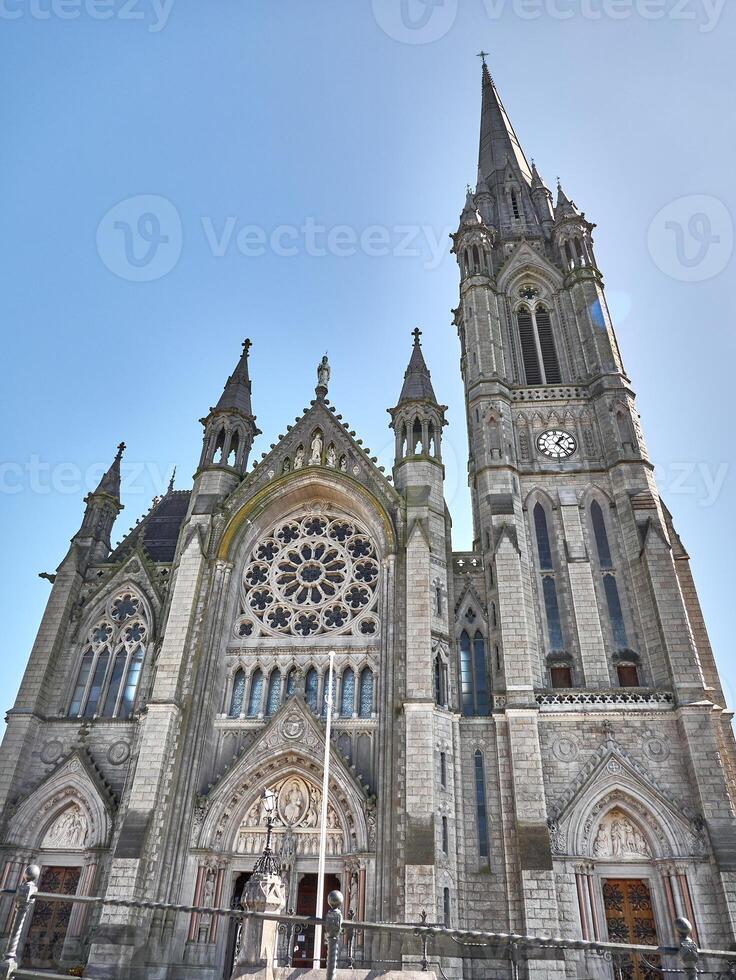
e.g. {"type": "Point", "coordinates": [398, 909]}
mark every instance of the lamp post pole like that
{"type": "Point", "coordinates": [323, 821]}
{"type": "Point", "coordinates": [266, 863]}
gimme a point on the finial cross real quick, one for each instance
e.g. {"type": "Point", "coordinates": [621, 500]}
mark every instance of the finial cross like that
{"type": "Point", "coordinates": [416, 334]}
{"type": "Point", "coordinates": [121, 449]}
{"type": "Point", "coordinates": [483, 55]}
{"type": "Point", "coordinates": [246, 346]}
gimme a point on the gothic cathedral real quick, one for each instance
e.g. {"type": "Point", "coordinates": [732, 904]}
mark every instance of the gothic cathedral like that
{"type": "Point", "coordinates": [529, 737]}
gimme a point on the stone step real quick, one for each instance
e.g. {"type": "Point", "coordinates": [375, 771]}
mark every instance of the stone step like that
{"type": "Point", "coordinates": [26, 974]}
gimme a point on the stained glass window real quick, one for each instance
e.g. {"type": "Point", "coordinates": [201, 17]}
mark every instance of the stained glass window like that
{"type": "Point", "coordinates": [347, 700]}
{"type": "Point", "coordinates": [366, 693]}
{"type": "Point", "coordinates": [601, 535]}
{"type": "Point", "coordinates": [255, 699]}
{"type": "Point", "coordinates": [466, 675]}
{"type": "Point", "coordinates": [113, 688]}
{"type": "Point", "coordinates": [98, 679]}
{"type": "Point", "coordinates": [480, 805]}
{"type": "Point", "coordinates": [615, 613]}
{"type": "Point", "coordinates": [274, 693]}
{"type": "Point", "coordinates": [311, 689]}
{"type": "Point", "coordinates": [76, 706]}
{"type": "Point", "coordinates": [131, 684]}
{"type": "Point", "coordinates": [334, 693]}
{"type": "Point", "coordinates": [238, 695]}
{"type": "Point", "coordinates": [543, 544]}
{"type": "Point", "coordinates": [482, 701]}
{"type": "Point", "coordinates": [552, 609]}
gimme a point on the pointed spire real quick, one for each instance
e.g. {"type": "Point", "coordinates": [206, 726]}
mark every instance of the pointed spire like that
{"type": "Point", "coordinates": [172, 481]}
{"type": "Point", "coordinates": [236, 394]}
{"type": "Point", "coordinates": [498, 140]}
{"type": "Point", "coordinates": [537, 181]}
{"type": "Point", "coordinates": [564, 205]}
{"type": "Point", "coordinates": [110, 482]}
{"type": "Point", "coordinates": [417, 380]}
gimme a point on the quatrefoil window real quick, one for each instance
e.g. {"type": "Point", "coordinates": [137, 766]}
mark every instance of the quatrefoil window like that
{"type": "Point", "coordinates": [308, 576]}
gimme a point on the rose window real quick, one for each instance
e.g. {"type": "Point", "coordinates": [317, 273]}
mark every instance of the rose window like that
{"type": "Point", "coordinates": [310, 576]}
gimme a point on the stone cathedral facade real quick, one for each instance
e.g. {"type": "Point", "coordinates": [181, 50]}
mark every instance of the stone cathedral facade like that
{"type": "Point", "coordinates": [530, 736]}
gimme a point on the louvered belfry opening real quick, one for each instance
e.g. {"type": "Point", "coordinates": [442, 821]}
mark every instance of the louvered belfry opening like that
{"type": "Point", "coordinates": [537, 338]}
{"type": "Point", "coordinates": [547, 345]}
{"type": "Point", "coordinates": [529, 348]}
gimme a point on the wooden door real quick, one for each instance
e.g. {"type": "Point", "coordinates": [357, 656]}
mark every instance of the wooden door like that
{"type": "Point", "coordinates": [630, 919]}
{"type": "Point", "coordinates": [305, 905]}
{"type": "Point", "coordinates": [45, 940]}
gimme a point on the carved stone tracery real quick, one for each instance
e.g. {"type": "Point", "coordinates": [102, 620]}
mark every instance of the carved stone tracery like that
{"type": "Point", "coordinates": [314, 574]}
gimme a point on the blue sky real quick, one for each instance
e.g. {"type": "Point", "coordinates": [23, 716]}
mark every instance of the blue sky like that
{"type": "Point", "coordinates": [253, 130]}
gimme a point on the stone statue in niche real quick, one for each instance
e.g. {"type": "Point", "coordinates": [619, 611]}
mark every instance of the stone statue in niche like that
{"type": "Point", "coordinates": [323, 372]}
{"type": "Point", "coordinates": [293, 802]}
{"type": "Point", "coordinates": [331, 457]}
{"type": "Point", "coordinates": [343, 464]}
{"type": "Point", "coordinates": [69, 831]}
{"type": "Point", "coordinates": [315, 458]}
{"type": "Point", "coordinates": [299, 458]}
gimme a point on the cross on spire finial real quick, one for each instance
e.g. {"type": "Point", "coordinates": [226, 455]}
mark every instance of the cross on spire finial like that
{"type": "Point", "coordinates": [416, 334]}
{"type": "Point", "coordinates": [247, 346]}
{"type": "Point", "coordinates": [121, 449]}
{"type": "Point", "coordinates": [483, 55]}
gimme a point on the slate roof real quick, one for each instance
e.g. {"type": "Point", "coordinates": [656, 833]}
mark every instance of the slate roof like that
{"type": "Point", "coordinates": [158, 532]}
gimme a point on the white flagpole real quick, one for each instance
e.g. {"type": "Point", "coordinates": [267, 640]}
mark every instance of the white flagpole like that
{"type": "Point", "coordinates": [323, 819]}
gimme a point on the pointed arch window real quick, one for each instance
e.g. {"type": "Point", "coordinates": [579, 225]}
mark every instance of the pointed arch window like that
{"type": "Point", "coordinates": [114, 647]}
{"type": "Point", "coordinates": [273, 701]}
{"type": "Point", "coordinates": [515, 205]}
{"type": "Point", "coordinates": [473, 675]}
{"type": "Point", "coordinates": [538, 348]}
{"type": "Point", "coordinates": [366, 693]}
{"type": "Point", "coordinates": [549, 580]}
{"type": "Point", "coordinates": [481, 810]}
{"type": "Point", "coordinates": [255, 698]}
{"type": "Point", "coordinates": [347, 695]}
{"type": "Point", "coordinates": [334, 693]}
{"type": "Point", "coordinates": [238, 695]}
{"type": "Point", "coordinates": [607, 569]}
{"type": "Point", "coordinates": [311, 688]}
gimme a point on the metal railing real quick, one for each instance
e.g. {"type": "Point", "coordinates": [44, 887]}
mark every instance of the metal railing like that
{"type": "Point", "coordinates": [436, 942]}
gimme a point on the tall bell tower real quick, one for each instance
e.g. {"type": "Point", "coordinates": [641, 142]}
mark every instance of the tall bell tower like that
{"type": "Point", "coordinates": [589, 586]}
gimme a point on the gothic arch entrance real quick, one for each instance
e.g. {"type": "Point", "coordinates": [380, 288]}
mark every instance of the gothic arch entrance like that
{"type": "Point", "coordinates": [306, 900]}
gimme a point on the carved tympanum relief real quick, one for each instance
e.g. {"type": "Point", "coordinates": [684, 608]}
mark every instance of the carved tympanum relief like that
{"type": "Point", "coordinates": [69, 832]}
{"type": "Point", "coordinates": [618, 837]}
{"type": "Point", "coordinates": [296, 825]}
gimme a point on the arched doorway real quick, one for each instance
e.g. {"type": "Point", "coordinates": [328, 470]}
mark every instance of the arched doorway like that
{"type": "Point", "coordinates": [306, 901]}
{"type": "Point", "coordinates": [233, 932]}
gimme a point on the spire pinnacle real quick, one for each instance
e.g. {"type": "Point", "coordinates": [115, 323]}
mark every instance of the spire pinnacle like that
{"type": "Point", "coordinates": [236, 394]}
{"type": "Point", "coordinates": [171, 482]}
{"type": "Point", "coordinates": [498, 140]}
{"type": "Point", "coordinates": [110, 482]}
{"type": "Point", "coordinates": [417, 379]}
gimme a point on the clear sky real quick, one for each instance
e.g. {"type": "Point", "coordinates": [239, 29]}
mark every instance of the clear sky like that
{"type": "Point", "coordinates": [290, 171]}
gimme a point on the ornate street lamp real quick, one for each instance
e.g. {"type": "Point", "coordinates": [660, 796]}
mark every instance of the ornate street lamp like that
{"type": "Point", "coordinates": [266, 863]}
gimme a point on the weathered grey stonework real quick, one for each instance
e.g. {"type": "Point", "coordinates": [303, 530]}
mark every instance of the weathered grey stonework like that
{"type": "Point", "coordinates": [515, 726]}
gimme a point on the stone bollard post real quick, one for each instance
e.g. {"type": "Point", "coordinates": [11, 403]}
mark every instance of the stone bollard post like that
{"type": "Point", "coordinates": [24, 901]}
{"type": "Point", "coordinates": [689, 953]}
{"type": "Point", "coordinates": [333, 928]}
{"type": "Point", "coordinates": [264, 892]}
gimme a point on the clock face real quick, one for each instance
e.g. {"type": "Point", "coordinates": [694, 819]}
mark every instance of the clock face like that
{"type": "Point", "coordinates": [557, 444]}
